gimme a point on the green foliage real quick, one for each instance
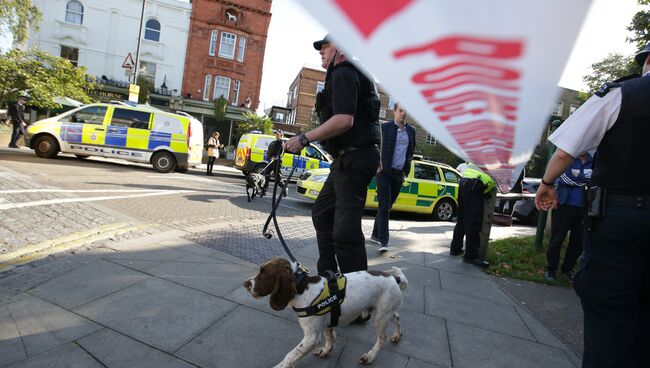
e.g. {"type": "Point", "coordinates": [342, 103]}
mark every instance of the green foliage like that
{"type": "Point", "coordinates": [612, 67]}
{"type": "Point", "coordinates": [43, 77]}
{"type": "Point", "coordinates": [516, 258]}
{"type": "Point", "coordinates": [18, 16]}
{"type": "Point", "coordinates": [640, 27]}
{"type": "Point", "coordinates": [220, 108]}
{"type": "Point", "coordinates": [254, 122]}
{"type": "Point", "coordinates": [313, 122]}
{"type": "Point", "coordinates": [437, 152]}
{"type": "Point", "coordinates": [146, 86]}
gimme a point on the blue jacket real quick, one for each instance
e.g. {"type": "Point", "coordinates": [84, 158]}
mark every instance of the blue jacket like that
{"type": "Point", "coordinates": [388, 138]}
{"type": "Point", "coordinates": [570, 187]}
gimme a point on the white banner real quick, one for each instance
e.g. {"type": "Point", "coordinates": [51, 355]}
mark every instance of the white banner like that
{"type": "Point", "coordinates": [478, 75]}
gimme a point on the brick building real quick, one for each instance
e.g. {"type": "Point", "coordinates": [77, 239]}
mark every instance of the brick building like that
{"type": "Point", "coordinates": [301, 98]}
{"type": "Point", "coordinates": [225, 51]}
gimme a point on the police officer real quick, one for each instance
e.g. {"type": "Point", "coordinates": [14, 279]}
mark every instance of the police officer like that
{"type": "Point", "coordinates": [349, 116]}
{"type": "Point", "coordinates": [613, 280]}
{"type": "Point", "coordinates": [17, 115]}
{"type": "Point", "coordinates": [474, 187]}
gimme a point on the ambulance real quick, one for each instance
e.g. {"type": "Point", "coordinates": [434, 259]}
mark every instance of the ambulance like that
{"type": "Point", "coordinates": [117, 130]}
{"type": "Point", "coordinates": [251, 156]}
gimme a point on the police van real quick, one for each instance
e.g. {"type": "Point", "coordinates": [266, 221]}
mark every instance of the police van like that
{"type": "Point", "coordinates": [251, 156]}
{"type": "Point", "coordinates": [140, 134]}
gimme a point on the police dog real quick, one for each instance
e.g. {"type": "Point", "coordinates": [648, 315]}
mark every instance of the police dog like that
{"type": "Point", "coordinates": [256, 185]}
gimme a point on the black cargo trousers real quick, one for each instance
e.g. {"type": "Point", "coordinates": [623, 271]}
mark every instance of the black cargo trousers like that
{"type": "Point", "coordinates": [338, 210]}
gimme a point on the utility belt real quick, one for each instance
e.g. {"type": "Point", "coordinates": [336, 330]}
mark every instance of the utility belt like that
{"type": "Point", "coordinates": [598, 198]}
{"type": "Point", "coordinates": [345, 150]}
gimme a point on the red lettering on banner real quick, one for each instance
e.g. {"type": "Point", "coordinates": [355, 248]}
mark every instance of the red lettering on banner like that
{"type": "Point", "coordinates": [487, 103]}
{"type": "Point", "coordinates": [467, 70]}
{"type": "Point", "coordinates": [467, 46]}
{"type": "Point", "coordinates": [368, 15]}
{"type": "Point", "coordinates": [483, 133]}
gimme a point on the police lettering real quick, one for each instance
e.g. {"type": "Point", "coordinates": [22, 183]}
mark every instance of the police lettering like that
{"type": "Point", "coordinates": [110, 151]}
{"type": "Point", "coordinates": [327, 302]}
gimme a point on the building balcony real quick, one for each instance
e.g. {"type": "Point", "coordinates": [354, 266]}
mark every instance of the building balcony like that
{"type": "Point", "coordinates": [75, 32]}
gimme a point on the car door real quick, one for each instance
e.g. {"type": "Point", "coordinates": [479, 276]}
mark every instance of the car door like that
{"type": "Point", "coordinates": [407, 198]}
{"type": "Point", "coordinates": [427, 179]}
{"type": "Point", "coordinates": [84, 131]}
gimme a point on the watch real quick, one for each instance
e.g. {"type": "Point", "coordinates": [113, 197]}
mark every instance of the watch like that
{"type": "Point", "coordinates": [546, 183]}
{"type": "Point", "coordinates": [304, 141]}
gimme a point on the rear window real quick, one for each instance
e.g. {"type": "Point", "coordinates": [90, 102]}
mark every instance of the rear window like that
{"type": "Point", "coordinates": [243, 142]}
{"type": "Point", "coordinates": [130, 118]}
{"type": "Point", "coordinates": [263, 142]}
{"type": "Point", "coordinates": [450, 176]}
{"type": "Point", "coordinates": [426, 172]}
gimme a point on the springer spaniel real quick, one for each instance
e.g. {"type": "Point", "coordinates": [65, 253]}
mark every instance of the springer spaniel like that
{"type": "Point", "coordinates": [366, 291]}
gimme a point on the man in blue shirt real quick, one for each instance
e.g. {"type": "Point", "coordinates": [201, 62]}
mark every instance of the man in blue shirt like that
{"type": "Point", "coordinates": [568, 217]}
{"type": "Point", "coordinates": [398, 145]}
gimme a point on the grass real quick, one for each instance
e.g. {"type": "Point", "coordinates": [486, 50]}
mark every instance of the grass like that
{"type": "Point", "coordinates": [516, 258]}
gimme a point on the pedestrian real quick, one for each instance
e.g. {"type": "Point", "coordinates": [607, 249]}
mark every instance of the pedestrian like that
{"type": "Point", "coordinates": [213, 151]}
{"type": "Point", "coordinates": [613, 278]}
{"type": "Point", "coordinates": [474, 187]}
{"type": "Point", "coordinates": [398, 145]}
{"type": "Point", "coordinates": [568, 217]}
{"type": "Point", "coordinates": [516, 189]}
{"type": "Point", "coordinates": [17, 115]}
{"type": "Point", "coordinates": [348, 109]}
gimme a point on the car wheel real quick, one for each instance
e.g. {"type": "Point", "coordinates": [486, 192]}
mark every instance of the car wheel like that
{"type": "Point", "coordinates": [82, 156]}
{"type": "Point", "coordinates": [444, 210]}
{"type": "Point", "coordinates": [163, 162]}
{"type": "Point", "coordinates": [46, 147]}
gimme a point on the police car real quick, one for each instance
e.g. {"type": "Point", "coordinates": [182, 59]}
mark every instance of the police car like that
{"type": "Point", "coordinates": [430, 188]}
{"type": "Point", "coordinates": [117, 130]}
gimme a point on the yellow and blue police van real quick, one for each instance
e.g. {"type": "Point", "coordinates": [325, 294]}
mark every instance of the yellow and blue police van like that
{"type": "Point", "coordinates": [430, 188]}
{"type": "Point", "coordinates": [251, 155]}
{"type": "Point", "coordinates": [117, 130]}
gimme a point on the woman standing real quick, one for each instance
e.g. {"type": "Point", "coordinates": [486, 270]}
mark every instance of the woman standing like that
{"type": "Point", "coordinates": [213, 151]}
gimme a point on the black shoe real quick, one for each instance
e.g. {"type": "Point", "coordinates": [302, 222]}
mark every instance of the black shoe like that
{"type": "Point", "coordinates": [361, 319]}
{"type": "Point", "coordinates": [455, 252]}
{"type": "Point", "coordinates": [13, 146]}
{"type": "Point", "coordinates": [567, 274]}
{"type": "Point", "coordinates": [477, 262]}
{"type": "Point", "coordinates": [550, 275]}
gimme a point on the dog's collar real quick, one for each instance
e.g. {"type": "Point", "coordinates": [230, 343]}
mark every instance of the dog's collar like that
{"type": "Point", "coordinates": [301, 275]}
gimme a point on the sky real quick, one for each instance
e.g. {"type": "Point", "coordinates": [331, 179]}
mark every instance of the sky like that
{"type": "Point", "coordinates": [292, 32]}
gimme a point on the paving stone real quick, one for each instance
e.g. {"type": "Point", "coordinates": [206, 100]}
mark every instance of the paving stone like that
{"type": "Point", "coordinates": [385, 358]}
{"type": "Point", "coordinates": [474, 287]}
{"type": "Point", "coordinates": [541, 333]}
{"type": "Point", "coordinates": [104, 344]}
{"type": "Point", "coordinates": [11, 345]}
{"type": "Point", "coordinates": [453, 264]}
{"type": "Point", "coordinates": [471, 346]}
{"type": "Point", "coordinates": [157, 312]}
{"type": "Point", "coordinates": [67, 356]}
{"type": "Point", "coordinates": [217, 279]}
{"type": "Point", "coordinates": [477, 312]}
{"type": "Point", "coordinates": [414, 363]}
{"type": "Point", "coordinates": [423, 337]}
{"type": "Point", "coordinates": [394, 254]}
{"type": "Point", "coordinates": [148, 252]}
{"type": "Point", "coordinates": [87, 283]}
{"type": "Point", "coordinates": [244, 338]}
{"type": "Point", "coordinates": [243, 297]}
{"type": "Point", "coordinates": [43, 326]}
{"type": "Point", "coordinates": [136, 264]}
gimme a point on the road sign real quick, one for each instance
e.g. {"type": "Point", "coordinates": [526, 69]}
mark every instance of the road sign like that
{"type": "Point", "coordinates": [134, 91]}
{"type": "Point", "coordinates": [128, 62]}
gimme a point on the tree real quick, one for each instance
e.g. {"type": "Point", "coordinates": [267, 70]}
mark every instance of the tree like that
{"type": "Point", "coordinates": [220, 108]}
{"type": "Point", "coordinates": [146, 86]}
{"type": "Point", "coordinates": [18, 16]}
{"type": "Point", "coordinates": [254, 122]}
{"type": "Point", "coordinates": [313, 122]}
{"type": "Point", "coordinates": [612, 67]}
{"type": "Point", "coordinates": [43, 77]}
{"type": "Point", "coordinates": [640, 27]}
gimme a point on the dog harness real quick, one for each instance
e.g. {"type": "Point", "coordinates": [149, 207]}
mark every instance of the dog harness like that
{"type": "Point", "coordinates": [329, 300]}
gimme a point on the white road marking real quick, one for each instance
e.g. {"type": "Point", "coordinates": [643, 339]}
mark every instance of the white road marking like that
{"type": "Point", "coordinates": [203, 180]}
{"type": "Point", "coordinates": [55, 190]}
{"type": "Point", "coordinates": [88, 199]}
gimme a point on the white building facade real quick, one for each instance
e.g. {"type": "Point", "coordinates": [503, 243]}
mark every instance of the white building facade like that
{"type": "Point", "coordinates": [99, 34]}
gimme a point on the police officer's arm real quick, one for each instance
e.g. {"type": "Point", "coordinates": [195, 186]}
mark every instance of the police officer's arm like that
{"type": "Point", "coordinates": [334, 126]}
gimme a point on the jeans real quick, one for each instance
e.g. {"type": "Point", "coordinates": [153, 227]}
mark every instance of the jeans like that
{"type": "Point", "coordinates": [16, 132]}
{"type": "Point", "coordinates": [338, 210]}
{"type": "Point", "coordinates": [566, 218]}
{"type": "Point", "coordinates": [388, 187]}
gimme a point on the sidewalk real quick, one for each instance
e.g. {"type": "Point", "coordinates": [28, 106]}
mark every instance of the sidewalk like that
{"type": "Point", "coordinates": [175, 300]}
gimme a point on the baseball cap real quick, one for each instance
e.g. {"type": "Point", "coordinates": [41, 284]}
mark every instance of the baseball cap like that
{"type": "Point", "coordinates": [319, 44]}
{"type": "Point", "coordinates": [641, 56]}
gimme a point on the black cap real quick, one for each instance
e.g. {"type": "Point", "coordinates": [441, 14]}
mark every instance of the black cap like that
{"type": "Point", "coordinates": [22, 97]}
{"type": "Point", "coordinates": [642, 55]}
{"type": "Point", "coordinates": [319, 44]}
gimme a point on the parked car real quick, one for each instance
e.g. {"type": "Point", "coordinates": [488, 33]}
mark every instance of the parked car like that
{"type": "Point", "coordinates": [524, 207]}
{"type": "Point", "coordinates": [430, 188]}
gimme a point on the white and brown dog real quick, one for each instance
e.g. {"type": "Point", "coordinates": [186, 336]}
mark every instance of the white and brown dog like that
{"type": "Point", "coordinates": [366, 291]}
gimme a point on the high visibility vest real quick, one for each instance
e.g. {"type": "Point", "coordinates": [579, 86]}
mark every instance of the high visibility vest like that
{"type": "Point", "coordinates": [471, 173]}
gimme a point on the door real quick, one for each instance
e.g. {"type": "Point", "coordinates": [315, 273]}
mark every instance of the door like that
{"type": "Point", "coordinates": [84, 131]}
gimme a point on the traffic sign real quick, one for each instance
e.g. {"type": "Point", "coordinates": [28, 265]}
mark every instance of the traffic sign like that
{"type": "Point", "coordinates": [128, 62]}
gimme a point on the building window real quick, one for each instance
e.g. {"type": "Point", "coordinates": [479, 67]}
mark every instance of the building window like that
{"type": "Point", "coordinates": [235, 92]}
{"type": "Point", "coordinates": [279, 117]}
{"type": "Point", "coordinates": [320, 86]}
{"type": "Point", "coordinates": [382, 113]}
{"type": "Point", "coordinates": [430, 139]}
{"type": "Point", "coordinates": [74, 12]}
{"type": "Point", "coordinates": [227, 46]}
{"type": "Point", "coordinates": [221, 87]}
{"type": "Point", "coordinates": [70, 53]}
{"type": "Point", "coordinates": [152, 30]}
{"type": "Point", "coordinates": [391, 103]}
{"type": "Point", "coordinates": [213, 42]}
{"type": "Point", "coordinates": [242, 49]}
{"type": "Point", "coordinates": [207, 83]}
{"type": "Point", "coordinates": [147, 72]}
{"type": "Point", "coordinates": [558, 107]}
{"type": "Point", "coordinates": [572, 109]}
{"type": "Point", "coordinates": [292, 118]}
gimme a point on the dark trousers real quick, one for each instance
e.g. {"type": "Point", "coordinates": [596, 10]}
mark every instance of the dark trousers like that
{"type": "Point", "coordinates": [470, 218]}
{"type": "Point", "coordinates": [388, 187]}
{"type": "Point", "coordinates": [338, 210]}
{"type": "Point", "coordinates": [564, 220]}
{"type": "Point", "coordinates": [211, 160]}
{"type": "Point", "coordinates": [16, 132]}
{"type": "Point", "coordinates": [613, 283]}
